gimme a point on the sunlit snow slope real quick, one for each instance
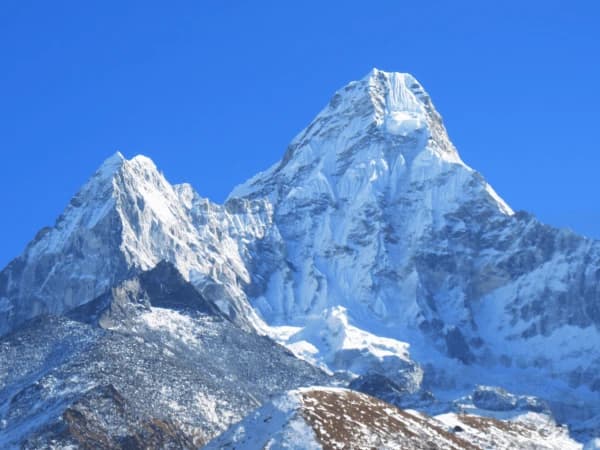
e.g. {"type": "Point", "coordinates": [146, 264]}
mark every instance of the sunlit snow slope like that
{"type": "Point", "coordinates": [384, 235]}
{"type": "Point", "coordinates": [370, 247]}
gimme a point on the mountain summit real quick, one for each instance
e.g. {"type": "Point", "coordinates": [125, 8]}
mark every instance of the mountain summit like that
{"type": "Point", "coordinates": [371, 130]}
{"type": "Point", "coordinates": [370, 250]}
{"type": "Point", "coordinates": [124, 220]}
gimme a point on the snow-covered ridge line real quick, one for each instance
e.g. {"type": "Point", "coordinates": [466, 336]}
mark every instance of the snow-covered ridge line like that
{"type": "Point", "coordinates": [371, 246]}
{"type": "Point", "coordinates": [127, 218]}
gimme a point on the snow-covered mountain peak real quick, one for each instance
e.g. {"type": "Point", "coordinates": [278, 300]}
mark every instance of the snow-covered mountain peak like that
{"type": "Point", "coordinates": [142, 162]}
{"type": "Point", "coordinates": [403, 107]}
{"type": "Point", "coordinates": [138, 165]}
{"type": "Point", "coordinates": [398, 91]}
{"type": "Point", "coordinates": [394, 102]}
{"type": "Point", "coordinates": [111, 164]}
{"type": "Point", "coordinates": [388, 92]}
{"type": "Point", "coordinates": [117, 181]}
{"type": "Point", "coordinates": [127, 218]}
{"type": "Point", "coordinates": [379, 139]}
{"type": "Point", "coordinates": [373, 132]}
{"type": "Point", "coordinates": [370, 249]}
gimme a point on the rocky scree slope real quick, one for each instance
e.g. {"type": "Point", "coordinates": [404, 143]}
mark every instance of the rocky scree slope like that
{"type": "Point", "coordinates": [151, 364]}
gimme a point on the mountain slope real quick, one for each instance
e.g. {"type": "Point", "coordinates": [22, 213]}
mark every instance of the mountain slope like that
{"type": "Point", "coordinates": [316, 418]}
{"type": "Point", "coordinates": [124, 220]}
{"type": "Point", "coordinates": [387, 234]}
{"type": "Point", "coordinates": [150, 361]}
{"type": "Point", "coordinates": [330, 418]}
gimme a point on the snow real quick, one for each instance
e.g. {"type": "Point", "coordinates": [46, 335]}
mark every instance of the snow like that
{"type": "Point", "coordinates": [403, 123]}
{"type": "Point", "coordinates": [369, 189]}
{"type": "Point", "coordinates": [592, 444]}
{"type": "Point", "coordinates": [369, 230]}
{"type": "Point", "coordinates": [216, 410]}
{"type": "Point", "coordinates": [273, 426]}
{"type": "Point", "coordinates": [502, 205]}
{"type": "Point", "coordinates": [523, 431]}
{"type": "Point", "coordinates": [129, 211]}
{"type": "Point", "coordinates": [111, 165]}
{"type": "Point", "coordinates": [5, 304]}
{"type": "Point", "coordinates": [179, 325]}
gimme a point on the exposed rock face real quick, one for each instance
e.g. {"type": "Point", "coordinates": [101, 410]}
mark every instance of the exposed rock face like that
{"type": "Point", "coordinates": [381, 387]}
{"type": "Point", "coordinates": [494, 399]}
{"type": "Point", "coordinates": [103, 420]}
{"type": "Point", "coordinates": [161, 287]}
{"type": "Point", "coordinates": [152, 364]}
{"type": "Point", "coordinates": [378, 386]}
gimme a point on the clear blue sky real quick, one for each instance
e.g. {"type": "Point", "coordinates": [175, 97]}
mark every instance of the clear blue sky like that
{"type": "Point", "coordinates": [214, 90]}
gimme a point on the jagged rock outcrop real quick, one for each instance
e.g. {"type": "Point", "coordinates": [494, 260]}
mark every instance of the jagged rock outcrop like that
{"type": "Point", "coordinates": [151, 364]}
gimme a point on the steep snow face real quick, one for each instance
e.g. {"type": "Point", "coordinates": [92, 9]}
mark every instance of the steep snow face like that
{"type": "Point", "coordinates": [373, 134]}
{"type": "Point", "coordinates": [356, 198]}
{"type": "Point", "coordinates": [375, 212]}
{"type": "Point", "coordinates": [126, 219]}
{"type": "Point", "coordinates": [357, 193]}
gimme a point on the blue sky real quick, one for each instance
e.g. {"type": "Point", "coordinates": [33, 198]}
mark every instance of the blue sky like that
{"type": "Point", "coordinates": [213, 91]}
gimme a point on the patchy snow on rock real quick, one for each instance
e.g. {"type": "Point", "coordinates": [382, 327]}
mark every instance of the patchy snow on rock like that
{"type": "Point", "coordinates": [316, 418]}
{"type": "Point", "coordinates": [178, 325]}
{"type": "Point", "coordinates": [525, 431]}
